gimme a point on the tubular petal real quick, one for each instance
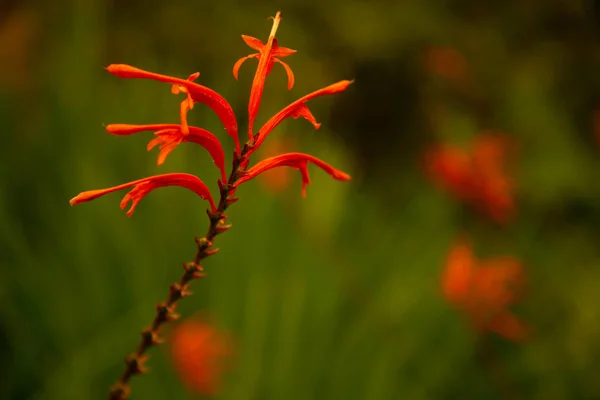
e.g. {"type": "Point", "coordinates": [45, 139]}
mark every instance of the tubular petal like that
{"type": "Point", "coordinates": [199, 93]}
{"type": "Point", "coordinates": [142, 187]}
{"type": "Point", "coordinates": [294, 160]}
{"type": "Point", "coordinates": [167, 134]}
{"type": "Point", "coordinates": [293, 108]}
{"type": "Point", "coordinates": [265, 63]}
{"type": "Point", "coordinates": [126, 129]}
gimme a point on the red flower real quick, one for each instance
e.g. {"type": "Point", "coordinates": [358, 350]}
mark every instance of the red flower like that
{"type": "Point", "coordinates": [297, 109]}
{"type": "Point", "coordinates": [483, 290]}
{"type": "Point", "coordinates": [200, 354]}
{"type": "Point", "coordinates": [197, 348]}
{"type": "Point", "coordinates": [477, 176]}
{"type": "Point", "coordinates": [170, 135]}
{"type": "Point", "coordinates": [298, 161]}
{"type": "Point", "coordinates": [267, 56]}
{"type": "Point", "coordinates": [195, 93]}
{"type": "Point", "coordinates": [143, 186]}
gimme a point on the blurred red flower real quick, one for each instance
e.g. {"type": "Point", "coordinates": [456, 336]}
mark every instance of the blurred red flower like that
{"type": "Point", "coordinates": [446, 62]}
{"type": "Point", "coordinates": [484, 290]}
{"type": "Point", "coordinates": [201, 354]}
{"type": "Point", "coordinates": [476, 176]}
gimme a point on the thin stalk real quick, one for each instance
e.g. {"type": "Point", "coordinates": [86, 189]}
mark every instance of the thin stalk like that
{"type": "Point", "coordinates": [165, 311]}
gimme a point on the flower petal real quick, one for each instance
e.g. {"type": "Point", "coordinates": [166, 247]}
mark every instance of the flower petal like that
{"type": "Point", "coordinates": [127, 129]}
{"type": "Point", "coordinates": [199, 93]}
{"type": "Point", "coordinates": [292, 110]}
{"type": "Point", "coordinates": [142, 187]}
{"type": "Point", "coordinates": [294, 160]}
{"type": "Point", "coordinates": [238, 64]}
{"type": "Point", "coordinates": [288, 71]}
{"type": "Point", "coordinates": [265, 63]}
{"type": "Point", "coordinates": [171, 133]}
{"type": "Point", "coordinates": [283, 52]}
{"type": "Point", "coordinates": [253, 42]}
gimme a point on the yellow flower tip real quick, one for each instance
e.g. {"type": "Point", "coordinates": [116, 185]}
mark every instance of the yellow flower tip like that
{"type": "Point", "coordinates": [276, 20]}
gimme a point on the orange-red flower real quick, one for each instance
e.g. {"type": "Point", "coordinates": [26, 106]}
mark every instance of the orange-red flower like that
{"type": "Point", "coordinates": [194, 92]}
{"type": "Point", "coordinates": [198, 348]}
{"type": "Point", "coordinates": [298, 161]}
{"type": "Point", "coordinates": [201, 354]}
{"type": "Point", "coordinates": [169, 136]}
{"type": "Point", "coordinates": [476, 176]}
{"type": "Point", "coordinates": [143, 186]}
{"type": "Point", "coordinates": [297, 109]}
{"type": "Point", "coordinates": [267, 56]}
{"type": "Point", "coordinates": [483, 290]}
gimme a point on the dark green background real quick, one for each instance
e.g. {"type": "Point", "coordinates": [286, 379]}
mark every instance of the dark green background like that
{"type": "Point", "coordinates": [335, 296]}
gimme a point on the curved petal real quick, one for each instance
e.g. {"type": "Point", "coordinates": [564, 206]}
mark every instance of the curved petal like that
{"type": "Point", "coordinates": [288, 71]}
{"type": "Point", "coordinates": [142, 187]}
{"type": "Point", "coordinates": [199, 93]}
{"type": "Point", "coordinates": [210, 142]}
{"type": "Point", "coordinates": [293, 109]}
{"type": "Point", "coordinates": [238, 64]}
{"type": "Point", "coordinates": [294, 160]}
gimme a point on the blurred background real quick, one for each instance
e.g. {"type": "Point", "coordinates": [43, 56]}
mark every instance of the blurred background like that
{"type": "Point", "coordinates": [335, 296]}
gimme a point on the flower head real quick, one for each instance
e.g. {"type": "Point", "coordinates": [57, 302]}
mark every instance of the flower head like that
{"type": "Point", "coordinates": [267, 55]}
{"type": "Point", "coordinates": [483, 290]}
{"type": "Point", "coordinates": [169, 136]}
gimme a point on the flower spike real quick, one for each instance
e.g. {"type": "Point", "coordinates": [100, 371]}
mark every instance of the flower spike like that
{"type": "Point", "coordinates": [298, 161]}
{"type": "Point", "coordinates": [267, 56]}
{"type": "Point", "coordinates": [170, 136]}
{"type": "Point", "coordinates": [142, 187]}
{"type": "Point", "coordinates": [298, 109]}
{"type": "Point", "coordinates": [197, 92]}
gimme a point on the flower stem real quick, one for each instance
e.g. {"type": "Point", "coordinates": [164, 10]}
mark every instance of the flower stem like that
{"type": "Point", "coordinates": [165, 311]}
